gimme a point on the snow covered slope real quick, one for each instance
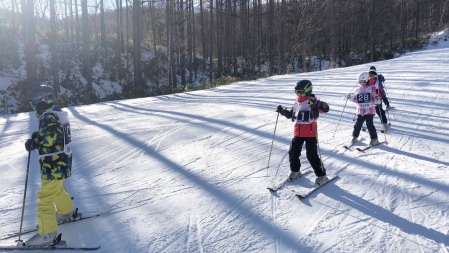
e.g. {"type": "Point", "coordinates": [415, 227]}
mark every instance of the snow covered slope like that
{"type": "Point", "coordinates": [188, 172]}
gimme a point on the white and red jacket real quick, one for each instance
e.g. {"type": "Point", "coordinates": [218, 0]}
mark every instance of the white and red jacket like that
{"type": "Point", "coordinates": [379, 88]}
{"type": "Point", "coordinates": [365, 98]}
{"type": "Point", "coordinates": [305, 117]}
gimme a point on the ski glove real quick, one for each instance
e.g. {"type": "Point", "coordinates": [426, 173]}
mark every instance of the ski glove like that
{"type": "Point", "coordinates": [349, 96]}
{"type": "Point", "coordinates": [279, 108]}
{"type": "Point", "coordinates": [34, 135]}
{"type": "Point", "coordinates": [30, 145]}
{"type": "Point", "coordinates": [313, 102]}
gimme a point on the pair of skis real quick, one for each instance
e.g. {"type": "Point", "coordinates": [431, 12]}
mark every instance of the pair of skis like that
{"type": "Point", "coordinates": [79, 217]}
{"type": "Point", "coordinates": [348, 147]}
{"type": "Point", "coordinates": [305, 192]}
{"type": "Point", "coordinates": [115, 208]}
{"type": "Point", "coordinates": [59, 245]}
{"type": "Point", "coordinates": [51, 247]}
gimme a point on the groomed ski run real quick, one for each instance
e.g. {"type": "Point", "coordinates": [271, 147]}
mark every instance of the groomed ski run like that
{"type": "Point", "coordinates": [197, 165]}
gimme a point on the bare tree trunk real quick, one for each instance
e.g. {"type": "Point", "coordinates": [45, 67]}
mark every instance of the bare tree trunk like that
{"type": "Point", "coordinates": [271, 50]}
{"type": "Point", "coordinates": [440, 23]}
{"type": "Point", "coordinates": [190, 38]}
{"type": "Point", "coordinates": [153, 19]}
{"type": "Point", "coordinates": [77, 26]}
{"type": "Point", "coordinates": [182, 45]}
{"type": "Point", "coordinates": [30, 42]}
{"type": "Point", "coordinates": [203, 35]}
{"type": "Point", "coordinates": [218, 32]}
{"type": "Point", "coordinates": [127, 33]}
{"type": "Point", "coordinates": [170, 19]}
{"type": "Point", "coordinates": [66, 21]}
{"type": "Point", "coordinates": [417, 13]}
{"type": "Point", "coordinates": [282, 38]}
{"type": "Point", "coordinates": [119, 45]}
{"type": "Point", "coordinates": [137, 47]}
{"type": "Point", "coordinates": [87, 72]}
{"type": "Point", "coordinates": [211, 41]}
{"type": "Point", "coordinates": [53, 47]}
{"type": "Point", "coordinates": [102, 26]}
{"type": "Point", "coordinates": [234, 47]}
{"type": "Point", "coordinates": [13, 16]}
{"type": "Point", "coordinates": [71, 22]}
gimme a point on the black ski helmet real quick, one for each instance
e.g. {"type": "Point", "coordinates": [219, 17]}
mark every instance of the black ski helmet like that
{"type": "Point", "coordinates": [303, 86]}
{"type": "Point", "coordinates": [41, 97]}
{"type": "Point", "coordinates": [372, 68]}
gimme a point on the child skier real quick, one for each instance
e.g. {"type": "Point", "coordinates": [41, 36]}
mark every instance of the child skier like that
{"type": "Point", "coordinates": [53, 142]}
{"type": "Point", "coordinates": [364, 97]}
{"type": "Point", "coordinates": [374, 82]}
{"type": "Point", "coordinates": [381, 79]}
{"type": "Point", "coordinates": [305, 112]}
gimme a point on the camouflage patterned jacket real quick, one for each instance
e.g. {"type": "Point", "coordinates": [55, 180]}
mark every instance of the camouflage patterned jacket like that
{"type": "Point", "coordinates": [54, 144]}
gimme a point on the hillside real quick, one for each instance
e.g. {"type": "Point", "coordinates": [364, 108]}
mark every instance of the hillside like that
{"type": "Point", "coordinates": [188, 172]}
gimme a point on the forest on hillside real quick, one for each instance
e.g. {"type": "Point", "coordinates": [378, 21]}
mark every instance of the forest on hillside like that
{"type": "Point", "coordinates": [156, 47]}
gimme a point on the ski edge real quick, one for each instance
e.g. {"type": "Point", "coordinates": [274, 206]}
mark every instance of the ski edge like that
{"type": "Point", "coordinates": [304, 195]}
{"type": "Point", "coordinates": [368, 147]}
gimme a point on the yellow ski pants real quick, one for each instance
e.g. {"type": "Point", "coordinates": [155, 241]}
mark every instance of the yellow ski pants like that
{"type": "Point", "coordinates": [53, 198]}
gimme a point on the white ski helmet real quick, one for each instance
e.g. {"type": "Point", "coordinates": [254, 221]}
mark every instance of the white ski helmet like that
{"type": "Point", "coordinates": [364, 76]}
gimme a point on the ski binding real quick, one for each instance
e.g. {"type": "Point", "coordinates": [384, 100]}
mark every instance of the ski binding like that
{"type": "Point", "coordinates": [284, 182]}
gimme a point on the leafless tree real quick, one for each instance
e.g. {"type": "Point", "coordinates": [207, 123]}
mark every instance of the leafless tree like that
{"type": "Point", "coordinates": [54, 46]}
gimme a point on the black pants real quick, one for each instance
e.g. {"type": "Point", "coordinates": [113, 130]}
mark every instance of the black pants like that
{"type": "Point", "coordinates": [386, 102]}
{"type": "Point", "coordinates": [381, 113]}
{"type": "Point", "coordinates": [369, 124]}
{"type": "Point", "coordinates": [311, 153]}
{"type": "Point", "coordinates": [385, 99]}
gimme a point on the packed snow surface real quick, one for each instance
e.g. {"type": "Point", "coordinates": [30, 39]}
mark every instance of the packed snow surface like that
{"type": "Point", "coordinates": [189, 172]}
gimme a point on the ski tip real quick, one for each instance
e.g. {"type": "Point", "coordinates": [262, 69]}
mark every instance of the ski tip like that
{"type": "Point", "coordinates": [273, 188]}
{"type": "Point", "coordinates": [96, 247]}
{"type": "Point", "coordinates": [332, 177]}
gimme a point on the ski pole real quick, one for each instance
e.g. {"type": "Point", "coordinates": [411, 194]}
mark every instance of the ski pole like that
{"type": "Point", "coordinates": [318, 144]}
{"type": "Point", "coordinates": [24, 198]}
{"type": "Point", "coordinates": [272, 141]}
{"type": "Point", "coordinates": [379, 107]}
{"type": "Point", "coordinates": [386, 93]}
{"type": "Point", "coordinates": [338, 123]}
{"type": "Point", "coordinates": [387, 97]}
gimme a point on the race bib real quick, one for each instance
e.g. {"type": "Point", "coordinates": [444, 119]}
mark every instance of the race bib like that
{"type": "Point", "coordinates": [363, 98]}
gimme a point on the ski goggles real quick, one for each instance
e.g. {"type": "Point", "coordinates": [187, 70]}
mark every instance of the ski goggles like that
{"type": "Point", "coordinates": [300, 92]}
{"type": "Point", "coordinates": [49, 99]}
{"type": "Point", "coordinates": [362, 82]}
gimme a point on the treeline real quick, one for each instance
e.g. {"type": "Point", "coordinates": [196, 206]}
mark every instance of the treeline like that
{"type": "Point", "coordinates": [221, 38]}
